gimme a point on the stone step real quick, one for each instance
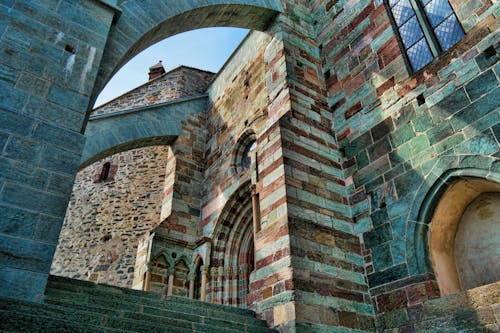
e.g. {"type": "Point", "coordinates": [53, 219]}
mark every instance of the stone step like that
{"type": "Point", "coordinates": [102, 301]}
{"type": "Point", "coordinates": [149, 313]}
{"type": "Point", "coordinates": [463, 320]}
{"type": "Point", "coordinates": [64, 283]}
{"type": "Point", "coordinates": [12, 321]}
{"type": "Point", "coordinates": [130, 300]}
{"type": "Point", "coordinates": [121, 321]}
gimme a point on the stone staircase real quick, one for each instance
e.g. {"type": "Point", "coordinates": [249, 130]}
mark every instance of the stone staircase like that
{"type": "Point", "coordinates": [79, 306]}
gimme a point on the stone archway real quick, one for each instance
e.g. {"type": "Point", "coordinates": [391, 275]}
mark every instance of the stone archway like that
{"type": "Point", "coordinates": [459, 259]}
{"type": "Point", "coordinates": [232, 248]}
{"type": "Point", "coordinates": [143, 23]}
{"type": "Point", "coordinates": [84, 43]}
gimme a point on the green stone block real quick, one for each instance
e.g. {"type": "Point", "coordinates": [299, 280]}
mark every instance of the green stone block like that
{"type": "Point", "coordinates": [394, 172]}
{"type": "Point", "coordinates": [482, 144]}
{"type": "Point", "coordinates": [449, 106]}
{"type": "Point", "coordinates": [401, 135]}
{"type": "Point", "coordinates": [477, 110]}
{"type": "Point", "coordinates": [389, 275]}
{"type": "Point", "coordinates": [60, 137]}
{"type": "Point", "coordinates": [67, 98]}
{"type": "Point", "coordinates": [481, 85]}
{"type": "Point", "coordinates": [419, 144]}
{"type": "Point", "coordinates": [22, 284]}
{"type": "Point", "coordinates": [362, 159]}
{"type": "Point", "coordinates": [371, 185]}
{"type": "Point", "coordinates": [23, 172]}
{"type": "Point", "coordinates": [484, 60]}
{"type": "Point", "coordinates": [15, 123]}
{"type": "Point", "coordinates": [423, 123]}
{"type": "Point", "coordinates": [381, 256]}
{"type": "Point", "coordinates": [474, 161]}
{"type": "Point", "coordinates": [3, 140]}
{"type": "Point", "coordinates": [440, 132]}
{"type": "Point", "coordinates": [33, 85]}
{"type": "Point", "coordinates": [60, 160]}
{"type": "Point", "coordinates": [398, 252]}
{"type": "Point", "coordinates": [449, 143]}
{"type": "Point", "coordinates": [378, 236]}
{"type": "Point", "coordinates": [380, 217]}
{"type": "Point", "coordinates": [8, 74]}
{"type": "Point", "coordinates": [400, 207]}
{"type": "Point", "coordinates": [24, 150]}
{"type": "Point", "coordinates": [408, 183]}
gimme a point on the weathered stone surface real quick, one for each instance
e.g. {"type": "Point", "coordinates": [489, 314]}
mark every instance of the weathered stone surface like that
{"type": "Point", "coordinates": [344, 131]}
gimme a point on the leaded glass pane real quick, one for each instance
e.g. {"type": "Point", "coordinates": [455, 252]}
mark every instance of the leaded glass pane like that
{"type": "Point", "coordinates": [437, 11]}
{"type": "Point", "coordinates": [419, 54]}
{"type": "Point", "coordinates": [425, 2]}
{"type": "Point", "coordinates": [402, 11]}
{"type": "Point", "coordinates": [449, 32]}
{"type": "Point", "coordinates": [410, 32]}
{"type": "Point", "coordinates": [393, 2]}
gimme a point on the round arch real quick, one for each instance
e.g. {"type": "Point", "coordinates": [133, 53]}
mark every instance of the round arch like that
{"type": "Point", "coordinates": [145, 22]}
{"type": "Point", "coordinates": [233, 243]}
{"type": "Point", "coordinates": [456, 176]}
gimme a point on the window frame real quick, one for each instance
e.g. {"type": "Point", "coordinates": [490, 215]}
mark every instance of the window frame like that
{"type": "Point", "coordinates": [429, 35]}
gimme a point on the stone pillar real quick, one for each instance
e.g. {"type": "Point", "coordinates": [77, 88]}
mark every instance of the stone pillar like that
{"type": "Point", "coordinates": [191, 286]}
{"type": "Point", "coordinates": [147, 277]}
{"type": "Point", "coordinates": [170, 285]}
{"type": "Point", "coordinates": [43, 103]}
{"type": "Point", "coordinates": [227, 291]}
{"type": "Point", "coordinates": [214, 278]}
{"type": "Point", "coordinates": [203, 293]}
{"type": "Point", "coordinates": [234, 286]}
{"type": "Point", "coordinates": [255, 210]}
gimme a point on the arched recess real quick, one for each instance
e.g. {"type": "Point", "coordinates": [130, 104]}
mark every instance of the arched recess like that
{"type": "Point", "coordinates": [436, 213]}
{"type": "Point", "coordinates": [198, 267]}
{"type": "Point", "coordinates": [145, 22]}
{"type": "Point", "coordinates": [181, 278]}
{"type": "Point", "coordinates": [152, 125]}
{"type": "Point", "coordinates": [159, 273]}
{"type": "Point", "coordinates": [232, 254]}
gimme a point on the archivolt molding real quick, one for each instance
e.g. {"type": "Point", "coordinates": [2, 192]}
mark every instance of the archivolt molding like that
{"type": "Point", "coordinates": [445, 171]}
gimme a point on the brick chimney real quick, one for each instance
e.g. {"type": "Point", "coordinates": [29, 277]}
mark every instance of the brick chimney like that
{"type": "Point", "coordinates": [156, 70]}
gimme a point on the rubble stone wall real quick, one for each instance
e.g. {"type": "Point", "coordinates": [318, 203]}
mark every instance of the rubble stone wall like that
{"type": "Point", "coordinates": [105, 219]}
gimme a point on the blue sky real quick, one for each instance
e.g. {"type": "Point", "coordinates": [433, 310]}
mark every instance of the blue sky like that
{"type": "Point", "coordinates": [206, 49]}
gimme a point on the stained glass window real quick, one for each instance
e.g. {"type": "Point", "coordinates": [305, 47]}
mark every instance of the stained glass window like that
{"type": "Point", "coordinates": [426, 28]}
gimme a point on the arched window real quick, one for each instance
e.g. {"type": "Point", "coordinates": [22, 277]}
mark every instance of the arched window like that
{"type": "Point", "coordinates": [243, 150]}
{"type": "Point", "coordinates": [246, 159]}
{"type": "Point", "coordinates": [426, 28]}
{"type": "Point", "coordinates": [197, 279]}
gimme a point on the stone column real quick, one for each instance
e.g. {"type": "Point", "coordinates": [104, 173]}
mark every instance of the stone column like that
{"type": "Point", "coordinates": [227, 290]}
{"type": "Point", "coordinates": [203, 293]}
{"type": "Point", "coordinates": [191, 285]}
{"type": "Point", "coordinates": [214, 277]}
{"type": "Point", "coordinates": [234, 286]}
{"type": "Point", "coordinates": [170, 284]}
{"type": "Point", "coordinates": [255, 210]}
{"type": "Point", "coordinates": [147, 277]}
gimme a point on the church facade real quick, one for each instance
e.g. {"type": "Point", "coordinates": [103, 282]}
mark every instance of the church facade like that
{"type": "Point", "coordinates": [340, 173]}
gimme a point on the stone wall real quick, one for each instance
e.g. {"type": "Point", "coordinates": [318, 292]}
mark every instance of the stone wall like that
{"type": "Point", "coordinates": [180, 82]}
{"type": "Point", "coordinates": [402, 131]}
{"type": "Point", "coordinates": [105, 219]}
{"type": "Point", "coordinates": [238, 107]}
